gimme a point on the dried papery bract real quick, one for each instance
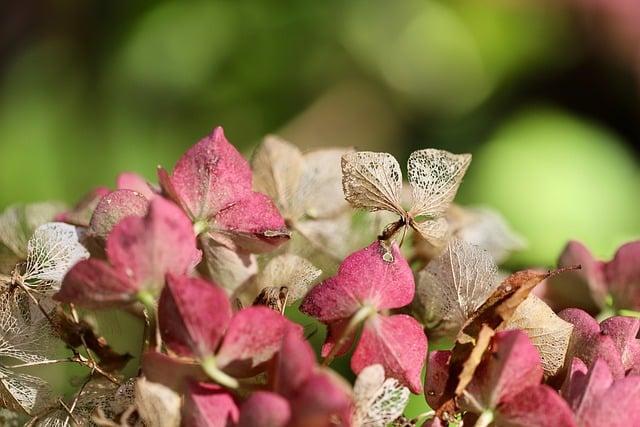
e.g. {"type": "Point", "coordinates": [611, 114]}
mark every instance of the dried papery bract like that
{"type": "Point", "coordinates": [157, 404]}
{"type": "Point", "coordinates": [373, 181]}
{"type": "Point", "coordinates": [52, 250]}
{"type": "Point", "coordinates": [23, 393]}
{"type": "Point", "coordinates": [378, 400]}
{"type": "Point", "coordinates": [454, 285]}
{"type": "Point", "coordinates": [548, 332]}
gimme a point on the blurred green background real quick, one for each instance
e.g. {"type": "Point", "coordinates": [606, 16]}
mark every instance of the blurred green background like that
{"type": "Point", "coordinates": [544, 94]}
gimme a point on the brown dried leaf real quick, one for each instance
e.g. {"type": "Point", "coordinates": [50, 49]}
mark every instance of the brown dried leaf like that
{"type": "Point", "coordinates": [469, 366]}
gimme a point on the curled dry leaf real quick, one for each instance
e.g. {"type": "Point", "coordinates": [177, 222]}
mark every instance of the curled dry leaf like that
{"type": "Point", "coordinates": [373, 181]}
{"type": "Point", "coordinates": [378, 400]}
{"type": "Point", "coordinates": [52, 250]}
{"type": "Point", "coordinates": [548, 332]}
{"type": "Point", "coordinates": [157, 404]}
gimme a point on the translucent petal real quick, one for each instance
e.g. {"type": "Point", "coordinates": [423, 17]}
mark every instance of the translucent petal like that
{"type": "Point", "coordinates": [372, 181]}
{"type": "Point", "coordinates": [23, 393]}
{"type": "Point", "coordinates": [435, 176]}
{"type": "Point", "coordinates": [51, 251]}
{"type": "Point", "coordinates": [18, 222]}
{"type": "Point", "coordinates": [451, 287]}
{"type": "Point", "coordinates": [433, 231]}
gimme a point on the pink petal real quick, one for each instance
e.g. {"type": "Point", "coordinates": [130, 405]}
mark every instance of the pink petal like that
{"type": "Point", "coordinates": [364, 277]}
{"type": "Point", "coordinates": [623, 276]}
{"type": "Point", "coordinates": [93, 283]}
{"type": "Point", "coordinates": [294, 363]}
{"type": "Point", "coordinates": [81, 213]}
{"type": "Point", "coordinates": [588, 343]}
{"type": "Point", "coordinates": [264, 409]}
{"type": "Point", "coordinates": [535, 406]}
{"type": "Point", "coordinates": [209, 177]}
{"type": "Point", "coordinates": [323, 398]}
{"type": "Point", "coordinates": [514, 365]}
{"type": "Point", "coordinates": [585, 389]}
{"type": "Point", "coordinates": [253, 337]}
{"type": "Point", "coordinates": [335, 331]}
{"type": "Point", "coordinates": [146, 249]}
{"type": "Point", "coordinates": [170, 371]}
{"type": "Point", "coordinates": [113, 208]}
{"type": "Point", "coordinates": [133, 181]}
{"type": "Point", "coordinates": [398, 343]}
{"type": "Point", "coordinates": [623, 331]}
{"type": "Point", "coordinates": [437, 377]}
{"type": "Point", "coordinates": [207, 405]}
{"type": "Point", "coordinates": [253, 223]}
{"type": "Point", "coordinates": [193, 315]}
{"type": "Point", "coordinates": [574, 383]}
{"type": "Point", "coordinates": [619, 406]}
{"type": "Point", "coordinates": [584, 288]}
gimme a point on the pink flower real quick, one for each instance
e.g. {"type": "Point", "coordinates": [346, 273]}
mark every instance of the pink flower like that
{"type": "Point", "coordinates": [369, 283]}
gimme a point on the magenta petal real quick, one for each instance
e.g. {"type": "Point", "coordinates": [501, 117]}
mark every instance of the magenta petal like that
{"type": "Point", "coordinates": [193, 315]}
{"type": "Point", "coordinates": [535, 406]}
{"type": "Point", "coordinates": [264, 409]}
{"type": "Point", "coordinates": [623, 276]}
{"type": "Point", "coordinates": [253, 337]}
{"type": "Point", "coordinates": [398, 343]}
{"type": "Point", "coordinates": [210, 176]}
{"type": "Point", "coordinates": [437, 377]}
{"type": "Point", "coordinates": [170, 371]}
{"type": "Point", "coordinates": [253, 223]}
{"type": "Point", "coordinates": [364, 278]}
{"type": "Point", "coordinates": [93, 283]}
{"type": "Point", "coordinates": [146, 249]}
{"type": "Point", "coordinates": [514, 366]}
{"type": "Point", "coordinates": [134, 182]}
{"type": "Point", "coordinates": [624, 332]}
{"type": "Point", "coordinates": [113, 208]}
{"type": "Point", "coordinates": [323, 398]}
{"type": "Point", "coordinates": [294, 364]}
{"type": "Point", "coordinates": [207, 405]}
{"type": "Point", "coordinates": [588, 343]}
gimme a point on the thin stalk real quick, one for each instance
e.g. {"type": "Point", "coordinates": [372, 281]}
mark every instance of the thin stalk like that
{"type": "Point", "coordinates": [42, 362]}
{"type": "Point", "coordinates": [210, 367]}
{"type": "Point", "coordinates": [356, 320]}
{"type": "Point", "coordinates": [153, 331]}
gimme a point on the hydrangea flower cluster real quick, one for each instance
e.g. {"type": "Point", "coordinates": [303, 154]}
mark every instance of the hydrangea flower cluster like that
{"type": "Point", "coordinates": [229, 267]}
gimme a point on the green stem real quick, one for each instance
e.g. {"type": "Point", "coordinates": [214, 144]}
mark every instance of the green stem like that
{"type": "Point", "coordinates": [211, 369]}
{"type": "Point", "coordinates": [356, 320]}
{"type": "Point", "coordinates": [152, 332]}
{"type": "Point", "coordinates": [629, 313]}
{"type": "Point", "coordinates": [485, 419]}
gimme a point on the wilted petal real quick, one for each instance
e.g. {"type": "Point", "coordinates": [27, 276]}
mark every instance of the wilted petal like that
{"type": "Point", "coordinates": [378, 400]}
{"type": "Point", "coordinates": [535, 406]}
{"type": "Point", "coordinates": [207, 405]}
{"type": "Point", "coordinates": [374, 276]}
{"type": "Point", "coordinates": [193, 315]}
{"type": "Point", "coordinates": [93, 283]}
{"type": "Point", "coordinates": [157, 404]}
{"type": "Point", "coordinates": [437, 377]}
{"type": "Point", "coordinates": [622, 275]}
{"type": "Point", "coordinates": [264, 409]}
{"type": "Point", "coordinates": [113, 208]}
{"type": "Point", "coordinates": [208, 177]}
{"type": "Point", "coordinates": [396, 342]}
{"type": "Point", "coordinates": [253, 337]}
{"type": "Point", "coordinates": [289, 271]}
{"type": "Point", "coordinates": [133, 181]}
{"type": "Point", "coordinates": [18, 222]}
{"type": "Point", "coordinates": [146, 249]}
{"type": "Point", "coordinates": [24, 393]}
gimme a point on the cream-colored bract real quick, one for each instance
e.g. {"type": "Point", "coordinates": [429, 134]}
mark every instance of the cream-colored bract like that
{"type": "Point", "coordinates": [157, 404]}
{"type": "Point", "coordinates": [378, 400]}
{"type": "Point", "coordinates": [290, 271]}
{"type": "Point", "coordinates": [52, 250]}
{"type": "Point", "coordinates": [548, 332]}
{"type": "Point", "coordinates": [373, 181]}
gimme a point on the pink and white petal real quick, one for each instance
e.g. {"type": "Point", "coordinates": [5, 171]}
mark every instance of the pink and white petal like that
{"type": "Point", "coordinates": [193, 315]}
{"type": "Point", "coordinates": [209, 177]}
{"type": "Point", "coordinates": [146, 249]}
{"type": "Point", "coordinates": [113, 208]}
{"type": "Point", "coordinates": [623, 276]}
{"type": "Point", "coordinates": [253, 223]}
{"type": "Point", "coordinates": [514, 365]}
{"type": "Point", "coordinates": [324, 397]}
{"type": "Point", "coordinates": [371, 276]}
{"type": "Point", "coordinates": [335, 331]}
{"type": "Point", "coordinates": [437, 377]}
{"type": "Point", "coordinates": [294, 363]}
{"type": "Point", "coordinates": [253, 338]}
{"type": "Point", "coordinates": [396, 342]}
{"type": "Point", "coordinates": [588, 343]}
{"type": "Point", "coordinates": [175, 373]}
{"type": "Point", "coordinates": [535, 406]}
{"type": "Point", "coordinates": [264, 409]}
{"type": "Point", "coordinates": [93, 283]}
{"type": "Point", "coordinates": [208, 405]}
{"type": "Point", "coordinates": [133, 181]}
{"type": "Point", "coordinates": [624, 332]}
